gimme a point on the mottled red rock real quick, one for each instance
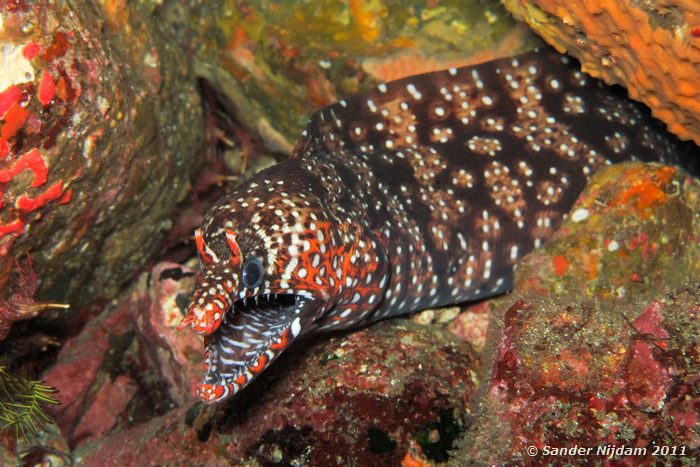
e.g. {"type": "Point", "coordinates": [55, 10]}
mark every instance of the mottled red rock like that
{"type": "Point", "coordinates": [81, 366]}
{"type": "Point", "coordinates": [590, 356]}
{"type": "Point", "coordinates": [362, 398]}
{"type": "Point", "coordinates": [128, 364]}
{"type": "Point", "coordinates": [177, 356]}
{"type": "Point", "coordinates": [108, 405]}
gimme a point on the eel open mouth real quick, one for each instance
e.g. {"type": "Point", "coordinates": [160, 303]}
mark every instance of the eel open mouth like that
{"type": "Point", "coordinates": [253, 332]}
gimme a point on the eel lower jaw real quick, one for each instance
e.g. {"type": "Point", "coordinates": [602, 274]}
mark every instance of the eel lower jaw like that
{"type": "Point", "coordinates": [254, 332]}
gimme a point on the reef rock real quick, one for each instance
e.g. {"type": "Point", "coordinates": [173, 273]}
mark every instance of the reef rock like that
{"type": "Point", "coordinates": [598, 346]}
{"type": "Point", "coordinates": [273, 63]}
{"type": "Point", "coordinates": [99, 127]}
{"type": "Point", "coordinates": [374, 396]}
{"type": "Point", "coordinates": [128, 364]}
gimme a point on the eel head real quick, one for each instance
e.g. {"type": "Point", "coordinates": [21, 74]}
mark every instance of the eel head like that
{"type": "Point", "coordinates": [272, 262]}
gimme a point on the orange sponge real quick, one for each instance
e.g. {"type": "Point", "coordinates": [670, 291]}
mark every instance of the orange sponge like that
{"type": "Point", "coordinates": [651, 47]}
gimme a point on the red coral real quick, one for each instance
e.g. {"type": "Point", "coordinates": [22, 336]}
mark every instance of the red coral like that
{"type": "Point", "coordinates": [14, 118]}
{"type": "Point", "coordinates": [32, 161]}
{"type": "Point", "coordinates": [47, 88]}
{"type": "Point", "coordinates": [31, 50]}
{"type": "Point", "coordinates": [27, 204]}
{"type": "Point", "coordinates": [8, 98]}
{"type": "Point", "coordinates": [12, 227]}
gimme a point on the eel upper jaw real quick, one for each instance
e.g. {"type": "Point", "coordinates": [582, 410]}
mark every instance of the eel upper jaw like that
{"type": "Point", "coordinates": [251, 335]}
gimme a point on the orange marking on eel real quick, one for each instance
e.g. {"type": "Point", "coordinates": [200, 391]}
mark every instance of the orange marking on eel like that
{"type": "Point", "coordinates": [233, 246]}
{"type": "Point", "coordinates": [199, 241]}
{"type": "Point", "coordinates": [223, 300]}
{"type": "Point", "coordinates": [282, 342]}
{"type": "Point", "coordinates": [262, 361]}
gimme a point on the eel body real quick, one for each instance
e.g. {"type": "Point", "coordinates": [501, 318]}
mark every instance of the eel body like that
{"type": "Point", "coordinates": [420, 193]}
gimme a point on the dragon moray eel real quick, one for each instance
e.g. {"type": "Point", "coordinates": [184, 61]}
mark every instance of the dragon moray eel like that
{"type": "Point", "coordinates": [422, 192]}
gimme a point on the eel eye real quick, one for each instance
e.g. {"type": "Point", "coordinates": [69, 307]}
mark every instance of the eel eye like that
{"type": "Point", "coordinates": [252, 272]}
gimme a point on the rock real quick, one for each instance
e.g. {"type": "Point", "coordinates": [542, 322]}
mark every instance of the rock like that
{"type": "Point", "coordinates": [129, 364]}
{"type": "Point", "coordinates": [101, 122]}
{"type": "Point", "coordinates": [85, 369]}
{"type": "Point", "coordinates": [599, 344]}
{"type": "Point", "coordinates": [47, 448]}
{"type": "Point", "coordinates": [275, 63]}
{"type": "Point", "coordinates": [596, 348]}
{"type": "Point", "coordinates": [361, 398]}
{"type": "Point", "coordinates": [177, 356]}
{"type": "Point", "coordinates": [652, 48]}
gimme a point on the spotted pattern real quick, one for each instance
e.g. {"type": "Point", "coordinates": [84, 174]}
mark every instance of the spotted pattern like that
{"type": "Point", "coordinates": [423, 192]}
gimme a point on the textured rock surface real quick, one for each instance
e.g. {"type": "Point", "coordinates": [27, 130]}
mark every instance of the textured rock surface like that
{"type": "Point", "coordinates": [128, 364]}
{"type": "Point", "coordinates": [275, 62]}
{"type": "Point", "coordinates": [651, 47]}
{"type": "Point", "coordinates": [364, 398]}
{"type": "Point", "coordinates": [374, 395]}
{"type": "Point", "coordinates": [100, 124]}
{"type": "Point", "coordinates": [599, 344]}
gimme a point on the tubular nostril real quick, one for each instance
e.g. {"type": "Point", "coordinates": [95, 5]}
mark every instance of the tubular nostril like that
{"type": "Point", "coordinates": [205, 318]}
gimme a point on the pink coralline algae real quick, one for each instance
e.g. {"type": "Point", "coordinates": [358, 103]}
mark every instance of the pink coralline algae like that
{"type": "Point", "coordinates": [130, 353]}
